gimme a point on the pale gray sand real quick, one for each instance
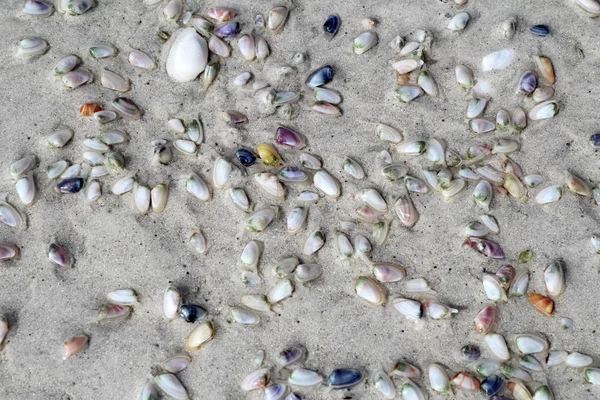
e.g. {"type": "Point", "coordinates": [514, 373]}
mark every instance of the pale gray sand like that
{"type": "Point", "coordinates": [115, 248]}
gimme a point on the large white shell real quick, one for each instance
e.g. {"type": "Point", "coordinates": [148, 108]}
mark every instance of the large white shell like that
{"type": "Point", "coordinates": [438, 378]}
{"type": "Point", "coordinates": [188, 56]}
{"type": "Point", "coordinates": [497, 345]}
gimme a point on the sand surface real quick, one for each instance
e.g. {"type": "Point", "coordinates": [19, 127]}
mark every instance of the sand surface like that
{"type": "Point", "coordinates": [113, 247]}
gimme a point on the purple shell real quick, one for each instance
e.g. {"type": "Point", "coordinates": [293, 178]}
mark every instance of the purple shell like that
{"type": "Point", "coordinates": [528, 82]}
{"type": "Point", "coordinates": [486, 247]}
{"type": "Point", "coordinates": [288, 137]}
{"type": "Point", "coordinates": [228, 29]}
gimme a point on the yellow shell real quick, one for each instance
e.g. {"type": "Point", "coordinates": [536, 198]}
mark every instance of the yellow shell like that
{"type": "Point", "coordinates": [268, 154]}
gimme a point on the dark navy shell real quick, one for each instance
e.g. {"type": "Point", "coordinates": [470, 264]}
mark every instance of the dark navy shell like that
{"type": "Point", "coordinates": [192, 313]}
{"type": "Point", "coordinates": [320, 77]}
{"type": "Point", "coordinates": [332, 25]}
{"type": "Point", "coordinates": [540, 30]}
{"type": "Point", "coordinates": [492, 385]}
{"type": "Point", "coordinates": [70, 185]}
{"type": "Point", "coordinates": [246, 157]}
{"type": "Point", "coordinates": [342, 378]}
{"type": "Point", "coordinates": [595, 140]}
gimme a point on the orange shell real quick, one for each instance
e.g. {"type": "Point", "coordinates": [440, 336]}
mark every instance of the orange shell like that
{"type": "Point", "coordinates": [88, 109]}
{"type": "Point", "coordinates": [465, 381]}
{"type": "Point", "coordinates": [541, 303]}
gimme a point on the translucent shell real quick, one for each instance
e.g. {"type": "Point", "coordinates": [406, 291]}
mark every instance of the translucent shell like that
{"type": "Point", "coordinates": [74, 345]}
{"type": "Point", "coordinates": [369, 290]}
{"type": "Point", "coordinates": [406, 211]}
{"type": "Point", "coordinates": [485, 319]}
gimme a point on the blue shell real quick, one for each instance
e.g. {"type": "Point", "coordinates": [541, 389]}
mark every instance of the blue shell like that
{"type": "Point", "coordinates": [293, 396]}
{"type": "Point", "coordinates": [320, 77]}
{"type": "Point", "coordinates": [595, 140]}
{"type": "Point", "coordinates": [470, 352]}
{"type": "Point", "coordinates": [292, 174]}
{"type": "Point", "coordinates": [192, 313]}
{"type": "Point", "coordinates": [332, 25]}
{"type": "Point", "coordinates": [540, 30]}
{"type": "Point", "coordinates": [246, 157]}
{"type": "Point", "coordinates": [498, 398]}
{"type": "Point", "coordinates": [492, 385]}
{"type": "Point", "coordinates": [342, 378]}
{"type": "Point", "coordinates": [227, 29]}
{"type": "Point", "coordinates": [276, 391]}
{"type": "Point", "coordinates": [528, 82]}
{"type": "Point", "coordinates": [70, 185]}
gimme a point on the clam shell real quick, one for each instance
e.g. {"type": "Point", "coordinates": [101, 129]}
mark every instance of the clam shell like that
{"type": "Point", "coordinates": [383, 384]}
{"type": "Point", "coordinates": [497, 60]}
{"type": "Point", "coordinates": [579, 360]}
{"type": "Point", "coordinates": [554, 277]}
{"type": "Point", "coordinates": [591, 7]}
{"type": "Point", "coordinates": [327, 95]}
{"type": "Point", "coordinates": [465, 381]}
{"type": "Point", "coordinates": [257, 302]}
{"type": "Point", "coordinates": [407, 93]}
{"type": "Point", "coordinates": [123, 185]}
{"type": "Point", "coordinates": [406, 211]}
{"type": "Point", "coordinates": [239, 198]}
{"type": "Point", "coordinates": [7, 252]}
{"type": "Point", "coordinates": [66, 64]}
{"type": "Point", "coordinates": [102, 51]}
{"type": "Point", "coordinates": [314, 242]}
{"type": "Point", "coordinates": [270, 184]}
{"type": "Point", "coordinates": [38, 8]}
{"type": "Point", "coordinates": [362, 245]}
{"type": "Point", "coordinates": [285, 268]}
{"type": "Point", "coordinates": [464, 76]}
{"type": "Point", "coordinates": [282, 290]}
{"type": "Point", "coordinates": [436, 310]}
{"type": "Point", "coordinates": [10, 216]}
{"type": "Point", "coordinates": [76, 78]}
{"type": "Point", "coordinates": [203, 333]}
{"type": "Point", "coordinates": [74, 345]}
{"type": "Point", "coordinates": [549, 194]}
{"type": "Point", "coordinates": [114, 81]}
{"type": "Point", "coordinates": [475, 108]}
{"type": "Point", "coordinates": [171, 302]}
{"type": "Point", "coordinates": [187, 57]}
{"type": "Point", "coordinates": [122, 297]}
{"type": "Point", "coordinates": [141, 198]}
{"type": "Point", "coordinates": [493, 288]}
{"type": "Point", "coordinates": [410, 391]}
{"type": "Point", "coordinates": [141, 60]}
{"type": "Point", "coordinates": [438, 378]}
{"type": "Point", "coordinates": [545, 110]}
{"type": "Point", "coordinates": [247, 47]}
{"type": "Point", "coordinates": [296, 218]}
{"type": "Point", "coordinates": [304, 378]}
{"type": "Point", "coordinates": [530, 343]}
{"type": "Point", "coordinates": [364, 42]}
{"type": "Point", "coordinates": [427, 83]}
{"type": "Point", "coordinates": [198, 242]}
{"type": "Point", "coordinates": [388, 272]}
{"type": "Point", "coordinates": [104, 116]}
{"type": "Point", "coordinates": [411, 309]}
{"type": "Point", "coordinates": [197, 187]}
{"type": "Point", "coordinates": [251, 255]}
{"type": "Point", "coordinates": [369, 290]}
{"type": "Point", "coordinates": [326, 183]}
{"type": "Point", "coordinates": [388, 134]}
{"type": "Point", "coordinates": [459, 22]}
{"type": "Point", "coordinates": [353, 168]}
{"type": "Point", "coordinates": [159, 196]}
{"type": "Point", "coordinates": [221, 171]}
{"type": "Point", "coordinates": [407, 65]}
{"type": "Point", "coordinates": [343, 378]}
{"type": "Point", "coordinates": [556, 357]}
{"type": "Point", "coordinates": [26, 189]}
{"type": "Point", "coordinates": [169, 385]}
{"type": "Point", "coordinates": [260, 219]}
{"type": "Point", "coordinates": [544, 65]}
{"type": "Point", "coordinates": [244, 316]}
{"type": "Point", "coordinates": [176, 363]}
{"type": "Point", "coordinates": [497, 346]}
{"type": "Point", "coordinates": [276, 18]}
{"type": "Point", "coordinates": [173, 9]}
{"type": "Point", "coordinates": [31, 47]}
{"type": "Point", "coordinates": [485, 319]}
{"type": "Point", "coordinates": [308, 272]}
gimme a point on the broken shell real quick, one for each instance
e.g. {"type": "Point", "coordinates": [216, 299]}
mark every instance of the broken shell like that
{"type": "Point", "coordinates": [122, 297]}
{"type": "Point", "coordinates": [406, 211]}
{"type": "Point", "coordinates": [369, 290]}
{"type": "Point", "coordinates": [485, 319]}
{"type": "Point", "coordinates": [549, 194]}
{"type": "Point", "coordinates": [464, 76]}
{"type": "Point", "coordinates": [260, 219]}
{"type": "Point", "coordinates": [411, 309]}
{"type": "Point", "coordinates": [171, 386]}
{"type": "Point", "coordinates": [282, 290]}
{"type": "Point", "coordinates": [276, 18]}
{"type": "Point", "coordinates": [541, 303]}
{"type": "Point", "coordinates": [197, 187]}
{"type": "Point", "coordinates": [459, 22]}
{"type": "Point", "coordinates": [480, 125]}
{"type": "Point", "coordinates": [141, 60]}
{"type": "Point", "coordinates": [74, 345]}
{"type": "Point", "coordinates": [188, 56]}
{"type": "Point", "coordinates": [544, 65]}
{"type": "Point", "coordinates": [200, 335]}
{"type": "Point", "coordinates": [497, 346]}
{"type": "Point", "coordinates": [171, 302]}
{"type": "Point", "coordinates": [198, 242]}
{"type": "Point", "coordinates": [364, 42]}
{"type": "Point", "coordinates": [554, 277]}
{"type": "Point", "coordinates": [436, 310]}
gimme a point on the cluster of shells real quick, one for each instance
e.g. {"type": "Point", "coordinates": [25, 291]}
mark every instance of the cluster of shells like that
{"type": "Point", "coordinates": [198, 48]}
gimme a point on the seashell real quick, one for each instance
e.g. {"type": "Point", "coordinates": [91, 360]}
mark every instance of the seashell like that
{"type": "Point", "coordinates": [539, 30]}
{"type": "Point", "coordinates": [364, 42]}
{"type": "Point", "coordinates": [88, 109]}
{"type": "Point", "coordinates": [26, 190]}
{"type": "Point", "coordinates": [197, 187]}
{"type": "Point", "coordinates": [492, 385]}
{"type": "Point", "coordinates": [427, 83]}
{"type": "Point", "coordinates": [251, 255]}
{"type": "Point", "coordinates": [10, 216]}
{"type": "Point", "coordinates": [549, 194]}
{"type": "Point", "coordinates": [286, 267]}
{"type": "Point", "coordinates": [7, 252]}
{"type": "Point", "coordinates": [320, 77]}
{"type": "Point", "coordinates": [579, 360]}
{"type": "Point", "coordinates": [485, 247]}
{"type": "Point", "coordinates": [176, 363]}
{"type": "Point", "coordinates": [475, 108]}
{"type": "Point", "coordinates": [282, 290]}
{"type": "Point", "coordinates": [74, 79]}
{"type": "Point", "coordinates": [296, 218]}
{"type": "Point", "coordinates": [542, 94]}
{"type": "Point", "coordinates": [503, 119]}
{"type": "Point", "coordinates": [394, 172]}
{"type": "Point", "coordinates": [31, 47]}
{"type": "Point", "coordinates": [406, 211]}
{"type": "Point", "coordinates": [38, 8]}
{"type": "Point", "coordinates": [276, 18]}
{"type": "Point", "coordinates": [247, 47]}
{"type": "Point", "coordinates": [327, 95]}
{"type": "Point", "coordinates": [326, 183]}
{"type": "Point", "coordinates": [515, 187]}
{"type": "Point", "coordinates": [543, 393]}
{"type": "Point", "coordinates": [203, 333]}
{"type": "Point", "coordinates": [530, 344]}
{"type": "Point", "coordinates": [276, 392]}
{"type": "Point", "coordinates": [417, 285]}
{"type": "Point", "coordinates": [487, 368]}
{"type": "Point", "coordinates": [464, 76]}
{"type": "Point", "coordinates": [468, 174]}
{"type": "Point", "coordinates": [291, 355]}
{"type": "Point", "coordinates": [541, 303]}
{"type": "Point", "coordinates": [97, 171]}
{"type": "Point", "coordinates": [516, 373]}
{"type": "Point", "coordinates": [22, 166]}
{"type": "Point", "coordinates": [170, 386]}
{"type": "Point", "coordinates": [123, 185]}
{"type": "Point", "coordinates": [508, 164]}
{"type": "Point", "coordinates": [114, 81]}
{"type": "Point", "coordinates": [126, 108]}
{"type": "Point", "coordinates": [202, 25]}
{"type": "Point", "coordinates": [554, 277]}
{"type": "Point", "coordinates": [122, 297]}
{"type": "Point", "coordinates": [332, 25]}
{"type": "Point", "coordinates": [188, 56]}
{"type": "Point", "coordinates": [436, 152]}
{"type": "Point", "coordinates": [481, 125]}
{"type": "Point", "coordinates": [406, 370]}
{"type": "Point", "coordinates": [268, 154]}
{"type": "Point", "coordinates": [314, 242]}
{"type": "Point", "coordinates": [556, 357]}
{"type": "Point", "coordinates": [159, 196]}
{"type": "Point", "coordinates": [545, 110]}
{"type": "Point", "coordinates": [353, 168]}
{"type": "Point", "coordinates": [383, 384]}
{"type": "Point", "coordinates": [388, 134]}
{"type": "Point", "coordinates": [493, 287]}
{"type": "Point", "coordinates": [592, 375]}
{"type": "Point", "coordinates": [411, 309]}
{"type": "Point", "coordinates": [437, 310]}
{"type": "Point", "coordinates": [518, 390]}
{"type": "Point", "coordinates": [102, 51]}
{"type": "Point", "coordinates": [485, 319]}
{"type": "Point", "coordinates": [490, 222]}
{"type": "Point", "coordinates": [282, 98]}
{"type": "Point", "coordinates": [519, 284]}
{"type": "Point", "coordinates": [497, 60]}
{"type": "Point", "coordinates": [74, 345]}
{"type": "Point", "coordinates": [221, 14]}
{"type": "Point", "coordinates": [141, 60]}
{"type": "Point", "coordinates": [78, 7]}
{"type": "Point", "coordinates": [438, 378]}
{"type": "Point", "coordinates": [256, 302]}
{"type": "Point", "coordinates": [531, 363]}
{"type": "Point", "coordinates": [71, 172]}
{"type": "Point", "coordinates": [327, 109]}
{"type": "Point", "coordinates": [509, 27]}
{"type": "Point", "coordinates": [198, 242]}
{"type": "Point", "coordinates": [242, 78]}
{"type": "Point", "coordinates": [239, 198]}
{"type": "Point", "coordinates": [286, 137]}
{"type": "Point", "coordinates": [192, 313]}
{"type": "Point", "coordinates": [465, 381]}
{"type": "Point", "coordinates": [141, 198]}
{"type": "Point", "coordinates": [260, 219]}
{"type": "Point", "coordinates": [407, 65]}
{"type": "Point", "coordinates": [270, 184]}
{"type": "Point", "coordinates": [483, 194]}
{"type": "Point", "coordinates": [246, 157]}
{"type": "Point", "coordinates": [221, 172]}
{"type": "Point", "coordinates": [544, 65]}
{"type": "Point", "coordinates": [362, 245]}
{"type": "Point", "coordinates": [527, 82]}
{"type": "Point", "coordinates": [369, 290]}
{"type": "Point", "coordinates": [414, 148]}
{"type": "Point", "coordinates": [388, 272]}
{"type": "Point", "coordinates": [256, 380]}
{"type": "Point", "coordinates": [381, 231]}
{"type": "Point", "coordinates": [304, 378]}
{"type": "Point", "coordinates": [173, 9]}
{"type": "Point", "coordinates": [171, 302]}
{"type": "Point", "coordinates": [70, 185]}
{"type": "Point", "coordinates": [105, 116]}
{"type": "Point", "coordinates": [578, 186]}
{"type": "Point", "coordinates": [262, 48]}
{"type": "Point", "coordinates": [344, 378]}
{"type": "Point", "coordinates": [497, 346]}
{"type": "Point", "coordinates": [478, 152]}
{"type": "Point", "coordinates": [410, 391]}
{"type": "Point", "coordinates": [408, 48]}
{"type": "Point", "coordinates": [453, 188]}
{"type": "Point", "coordinates": [415, 185]}
{"type": "Point", "coordinates": [407, 93]}
{"type": "Point", "coordinates": [591, 7]}
{"type": "Point", "coordinates": [470, 352]}
{"type": "Point", "coordinates": [113, 312]}
{"type": "Point", "coordinates": [459, 22]}
{"type": "Point", "coordinates": [66, 64]}
{"type": "Point", "coordinates": [244, 316]}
